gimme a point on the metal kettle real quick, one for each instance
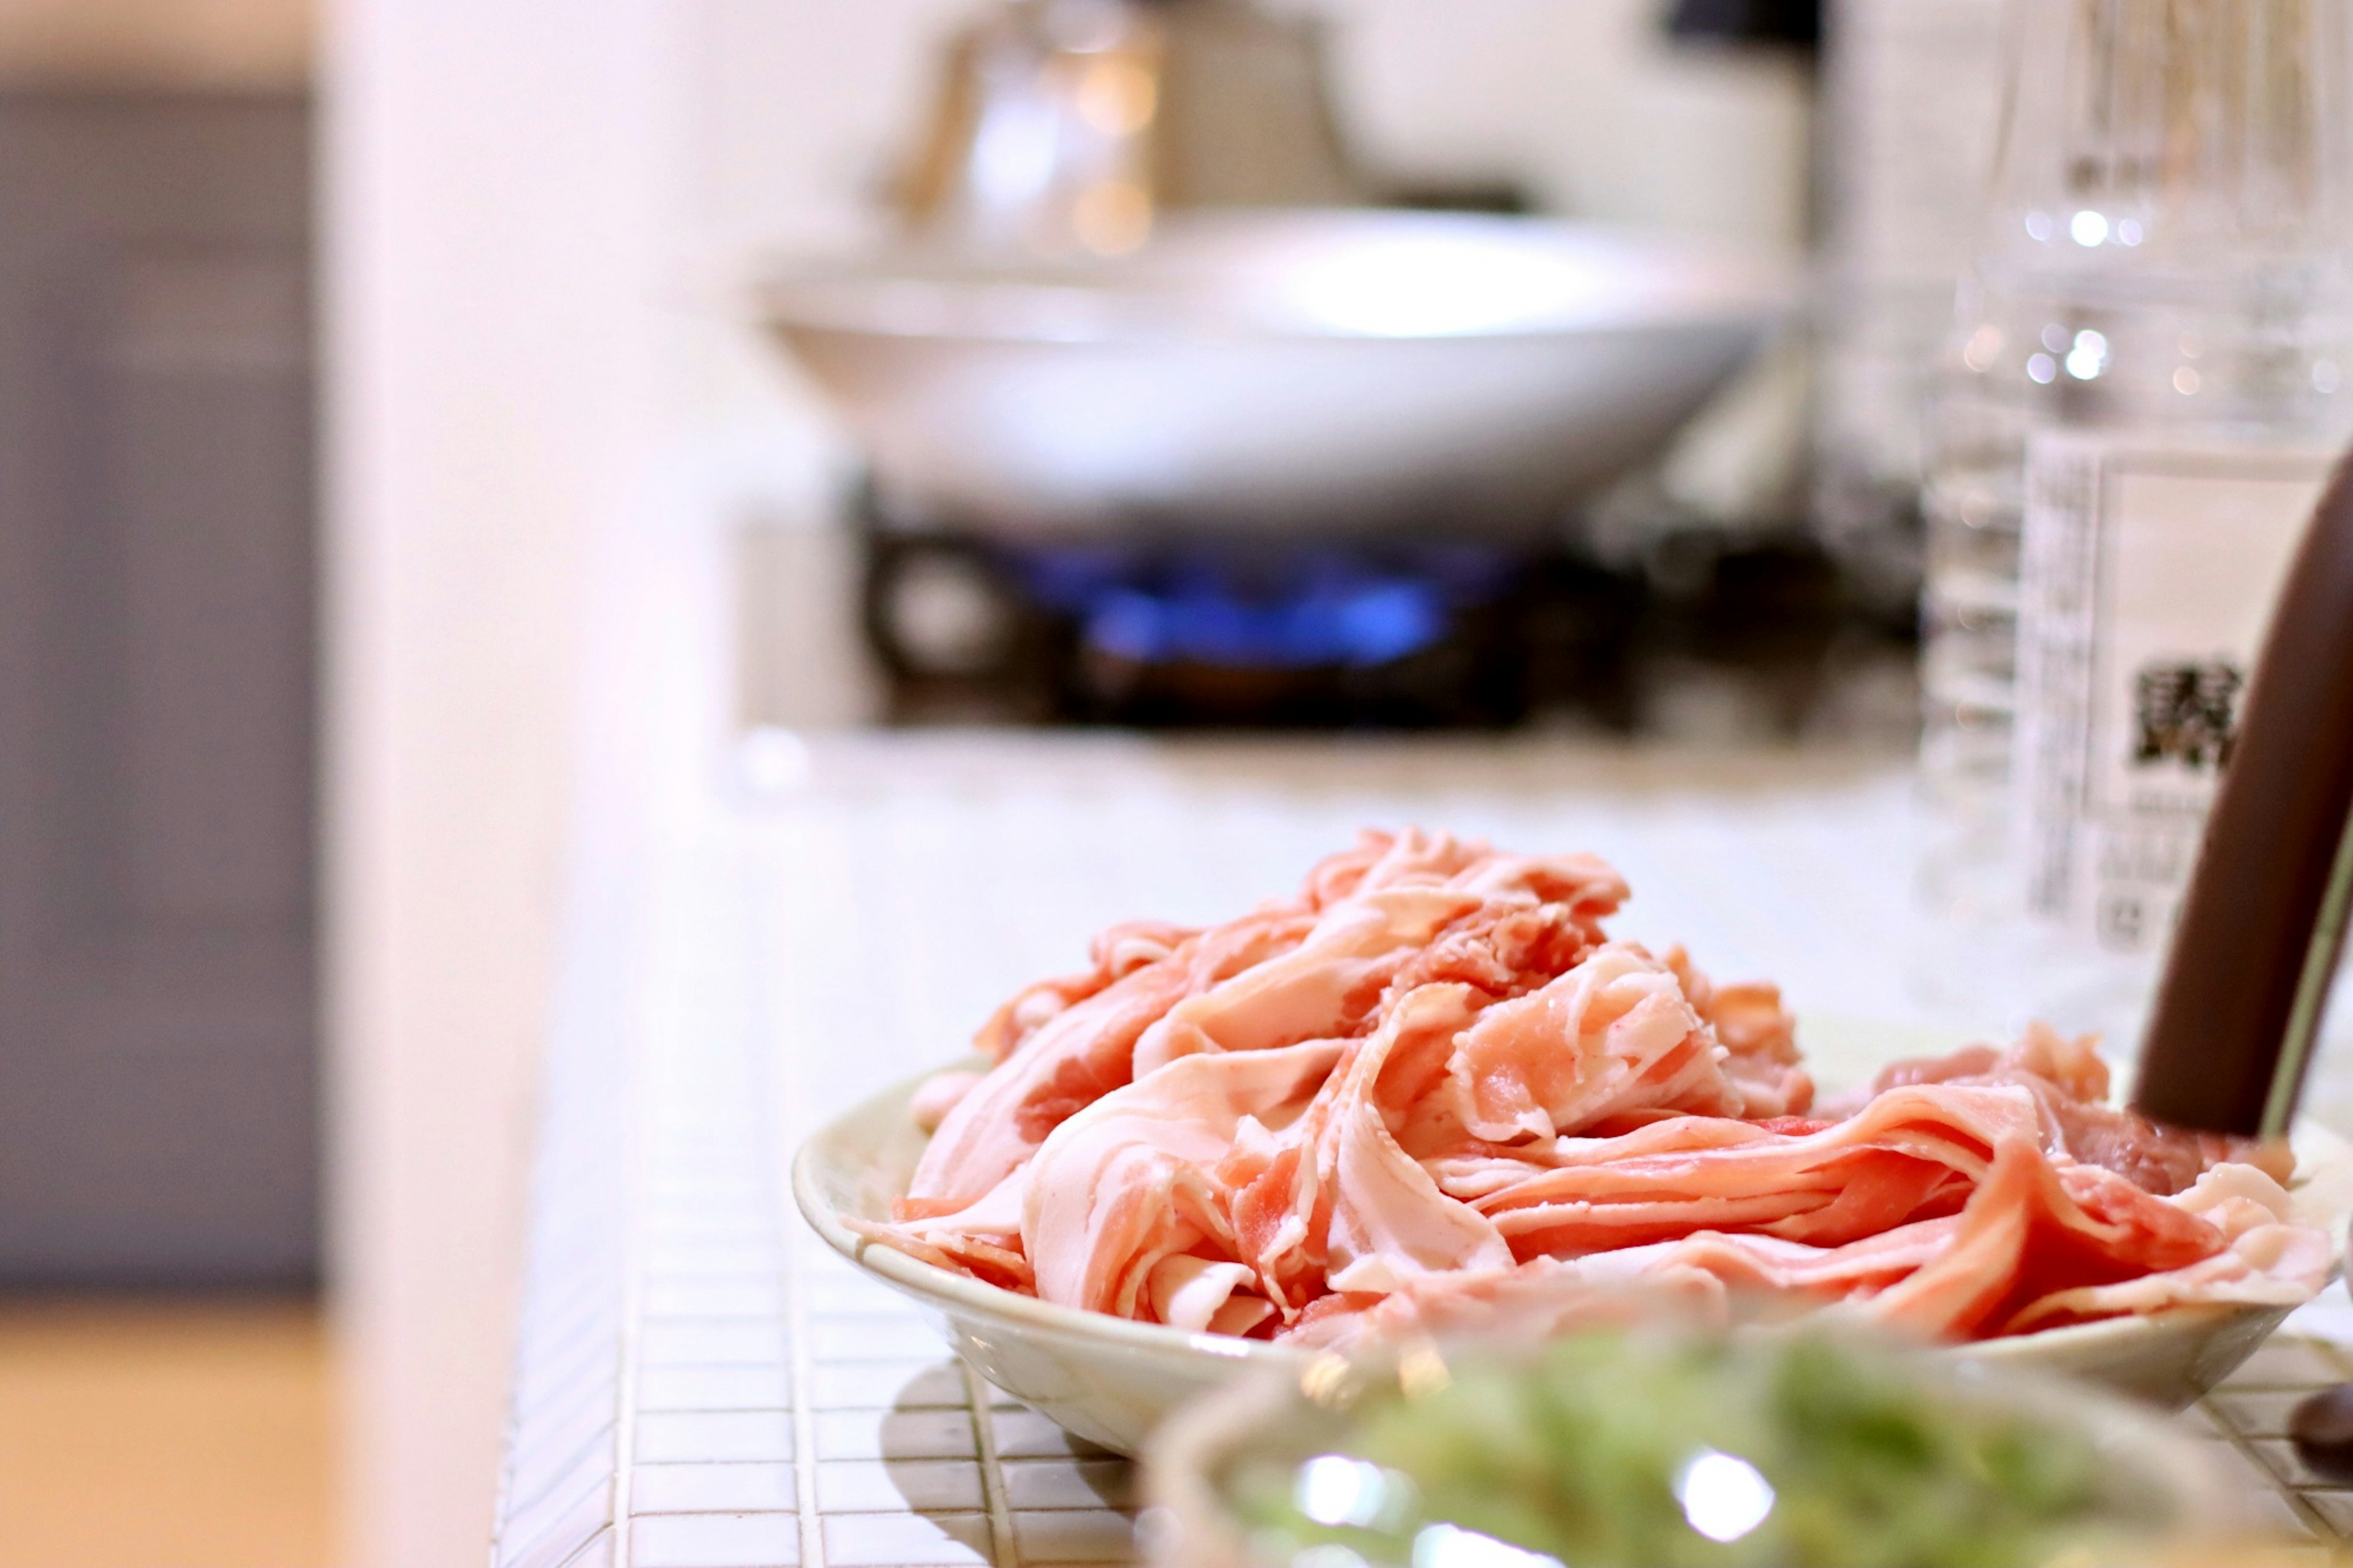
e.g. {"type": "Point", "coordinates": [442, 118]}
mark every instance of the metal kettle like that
{"type": "Point", "coordinates": [1064, 128]}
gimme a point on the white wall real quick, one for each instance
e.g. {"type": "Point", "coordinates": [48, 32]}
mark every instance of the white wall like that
{"type": "Point", "coordinates": [493, 174]}
{"type": "Point", "coordinates": [801, 108]}
{"type": "Point", "coordinates": [1587, 102]}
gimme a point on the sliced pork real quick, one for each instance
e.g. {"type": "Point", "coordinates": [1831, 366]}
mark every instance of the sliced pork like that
{"type": "Point", "coordinates": [1429, 1090]}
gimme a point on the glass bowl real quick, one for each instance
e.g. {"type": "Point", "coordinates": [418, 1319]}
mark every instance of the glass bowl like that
{"type": "Point", "coordinates": [1661, 1447]}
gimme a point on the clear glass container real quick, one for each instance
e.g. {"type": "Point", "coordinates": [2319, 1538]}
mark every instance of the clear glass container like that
{"type": "Point", "coordinates": [2159, 302]}
{"type": "Point", "coordinates": [1910, 104]}
{"type": "Point", "coordinates": [1535, 1447]}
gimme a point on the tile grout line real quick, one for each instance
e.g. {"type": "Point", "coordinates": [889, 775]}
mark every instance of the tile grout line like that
{"type": "Point", "coordinates": [804, 1420]}
{"type": "Point", "coordinates": [1006, 1553]}
{"type": "Point", "coordinates": [645, 1055]}
{"type": "Point", "coordinates": [772, 1080]}
{"type": "Point", "coordinates": [2287, 1489]}
{"type": "Point", "coordinates": [2336, 1356]}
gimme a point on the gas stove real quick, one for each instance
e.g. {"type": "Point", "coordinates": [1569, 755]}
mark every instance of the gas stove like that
{"type": "Point", "coordinates": [1430, 629]}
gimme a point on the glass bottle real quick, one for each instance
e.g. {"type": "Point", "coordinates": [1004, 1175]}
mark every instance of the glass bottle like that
{"type": "Point", "coordinates": [1911, 99]}
{"type": "Point", "coordinates": [2133, 418]}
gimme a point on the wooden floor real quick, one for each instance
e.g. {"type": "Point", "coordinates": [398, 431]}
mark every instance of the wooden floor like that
{"type": "Point", "coordinates": [165, 1436]}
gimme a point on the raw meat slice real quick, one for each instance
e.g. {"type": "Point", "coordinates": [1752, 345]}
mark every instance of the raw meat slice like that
{"type": "Point", "coordinates": [2268, 1261]}
{"type": "Point", "coordinates": [2035, 1228]}
{"type": "Point", "coordinates": [1428, 1090]}
{"type": "Point", "coordinates": [1431, 901]}
{"type": "Point", "coordinates": [1335, 1190]}
{"type": "Point", "coordinates": [1759, 1038]}
{"type": "Point", "coordinates": [1116, 954]}
{"type": "Point", "coordinates": [939, 1096]}
{"type": "Point", "coordinates": [1132, 1179]}
{"type": "Point", "coordinates": [1324, 988]}
{"type": "Point", "coordinates": [1613, 1035]}
{"type": "Point", "coordinates": [1536, 1300]}
{"type": "Point", "coordinates": [2033, 1225]}
{"type": "Point", "coordinates": [1080, 1055]}
{"type": "Point", "coordinates": [1897, 1160]}
{"type": "Point", "coordinates": [981, 1238]}
{"type": "Point", "coordinates": [1413, 857]}
{"type": "Point", "coordinates": [1389, 1222]}
{"type": "Point", "coordinates": [1200, 1296]}
{"type": "Point", "coordinates": [1507, 949]}
{"type": "Point", "coordinates": [2070, 1083]}
{"type": "Point", "coordinates": [1708, 1277]}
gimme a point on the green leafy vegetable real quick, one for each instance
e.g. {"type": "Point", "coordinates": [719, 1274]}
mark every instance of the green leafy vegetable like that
{"type": "Point", "coordinates": [1630, 1451]}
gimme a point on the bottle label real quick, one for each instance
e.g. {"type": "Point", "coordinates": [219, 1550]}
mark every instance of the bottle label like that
{"type": "Point", "coordinates": [2147, 582]}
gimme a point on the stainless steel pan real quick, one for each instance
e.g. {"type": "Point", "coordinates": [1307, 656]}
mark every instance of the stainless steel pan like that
{"type": "Point", "coordinates": [1288, 371]}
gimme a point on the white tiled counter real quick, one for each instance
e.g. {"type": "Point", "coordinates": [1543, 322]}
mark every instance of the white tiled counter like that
{"type": "Point", "coordinates": [700, 1384]}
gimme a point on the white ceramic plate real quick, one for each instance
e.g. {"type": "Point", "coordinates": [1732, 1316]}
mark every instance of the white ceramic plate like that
{"type": "Point", "coordinates": [1112, 1381]}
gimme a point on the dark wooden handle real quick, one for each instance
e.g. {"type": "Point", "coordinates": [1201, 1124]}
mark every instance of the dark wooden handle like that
{"type": "Point", "coordinates": [2260, 934]}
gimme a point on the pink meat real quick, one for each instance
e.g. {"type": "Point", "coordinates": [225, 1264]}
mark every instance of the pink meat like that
{"type": "Point", "coordinates": [1759, 1039]}
{"type": "Point", "coordinates": [1076, 1057]}
{"type": "Point", "coordinates": [1910, 1152]}
{"type": "Point", "coordinates": [2036, 1229]}
{"type": "Point", "coordinates": [1613, 1035]}
{"type": "Point", "coordinates": [2070, 1084]}
{"type": "Point", "coordinates": [1427, 905]}
{"type": "Point", "coordinates": [2266, 1261]}
{"type": "Point", "coordinates": [1116, 954]}
{"type": "Point", "coordinates": [1389, 1222]}
{"type": "Point", "coordinates": [1312, 967]}
{"type": "Point", "coordinates": [2043, 1242]}
{"type": "Point", "coordinates": [1536, 1299]}
{"type": "Point", "coordinates": [1706, 1277]}
{"type": "Point", "coordinates": [1132, 1180]}
{"type": "Point", "coordinates": [1427, 1091]}
{"type": "Point", "coordinates": [1326, 988]}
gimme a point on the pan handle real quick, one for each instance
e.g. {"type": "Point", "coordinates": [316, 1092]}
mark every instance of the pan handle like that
{"type": "Point", "coordinates": [2261, 931]}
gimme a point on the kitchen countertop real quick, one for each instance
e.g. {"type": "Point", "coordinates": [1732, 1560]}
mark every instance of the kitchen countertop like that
{"type": "Point", "coordinates": [699, 1383]}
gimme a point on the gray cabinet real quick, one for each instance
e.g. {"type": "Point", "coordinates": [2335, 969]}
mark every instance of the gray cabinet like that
{"type": "Point", "coordinates": [158, 1073]}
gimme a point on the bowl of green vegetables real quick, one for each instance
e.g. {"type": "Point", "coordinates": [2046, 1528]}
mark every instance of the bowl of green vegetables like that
{"type": "Point", "coordinates": [1662, 1448]}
